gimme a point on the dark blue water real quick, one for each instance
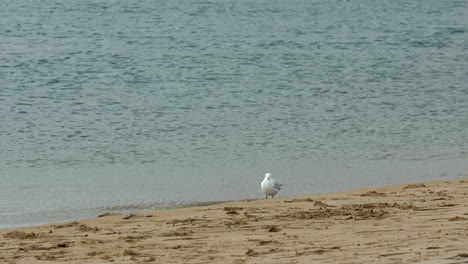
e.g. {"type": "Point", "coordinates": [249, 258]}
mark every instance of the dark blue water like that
{"type": "Point", "coordinates": [137, 105]}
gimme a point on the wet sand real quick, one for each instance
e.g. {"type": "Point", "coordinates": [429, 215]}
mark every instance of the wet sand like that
{"type": "Point", "coordinates": [423, 223]}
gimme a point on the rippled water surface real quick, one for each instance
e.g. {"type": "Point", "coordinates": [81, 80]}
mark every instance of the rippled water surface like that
{"type": "Point", "coordinates": [126, 106]}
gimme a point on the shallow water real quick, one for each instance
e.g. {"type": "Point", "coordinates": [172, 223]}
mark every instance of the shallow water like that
{"type": "Point", "coordinates": [126, 106]}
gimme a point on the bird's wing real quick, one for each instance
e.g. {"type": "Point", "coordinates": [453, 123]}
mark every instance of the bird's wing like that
{"type": "Point", "coordinates": [277, 186]}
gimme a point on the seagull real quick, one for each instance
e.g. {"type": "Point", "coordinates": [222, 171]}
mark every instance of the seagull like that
{"type": "Point", "coordinates": [270, 186]}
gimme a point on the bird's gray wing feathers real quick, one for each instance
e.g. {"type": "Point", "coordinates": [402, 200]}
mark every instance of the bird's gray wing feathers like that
{"type": "Point", "coordinates": [277, 186]}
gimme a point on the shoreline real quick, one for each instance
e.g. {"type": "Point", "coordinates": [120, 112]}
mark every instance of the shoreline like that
{"type": "Point", "coordinates": [117, 212]}
{"type": "Point", "coordinates": [406, 223]}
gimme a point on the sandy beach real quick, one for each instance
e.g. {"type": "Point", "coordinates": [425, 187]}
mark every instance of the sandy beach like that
{"type": "Point", "coordinates": [411, 223]}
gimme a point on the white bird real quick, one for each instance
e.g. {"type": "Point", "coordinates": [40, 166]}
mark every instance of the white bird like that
{"type": "Point", "coordinates": [270, 186]}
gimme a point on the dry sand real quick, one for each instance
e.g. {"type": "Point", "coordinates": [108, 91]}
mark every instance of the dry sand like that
{"type": "Point", "coordinates": [416, 223]}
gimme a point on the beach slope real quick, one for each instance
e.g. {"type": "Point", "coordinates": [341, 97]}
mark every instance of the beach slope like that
{"type": "Point", "coordinates": [422, 222]}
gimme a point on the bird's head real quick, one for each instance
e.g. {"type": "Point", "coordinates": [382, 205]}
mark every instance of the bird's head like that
{"type": "Point", "coordinates": [268, 176]}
